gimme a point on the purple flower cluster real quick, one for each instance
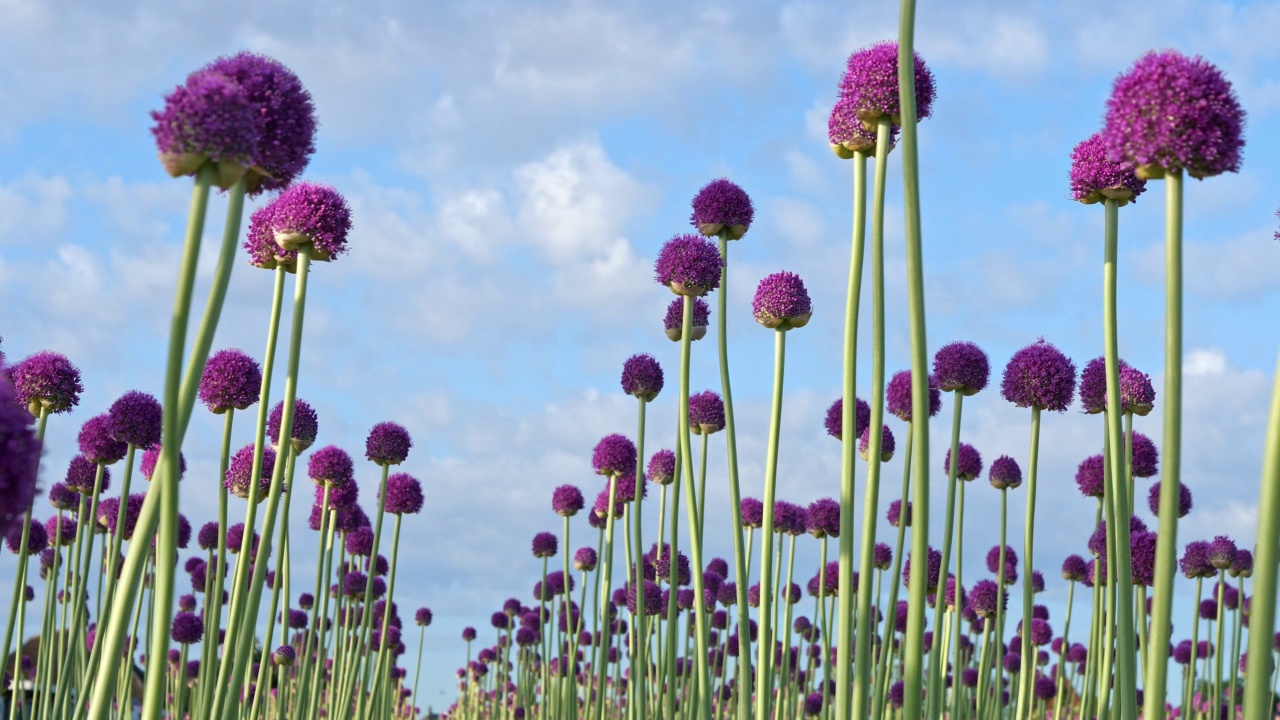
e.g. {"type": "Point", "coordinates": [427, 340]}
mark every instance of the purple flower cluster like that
{"type": "Point", "coordinates": [848, 134]}
{"type": "Point", "coordinates": [722, 205]}
{"type": "Point", "coordinates": [870, 83]}
{"type": "Point", "coordinates": [231, 380]}
{"type": "Point", "coordinates": [706, 413]}
{"type": "Point", "coordinates": [969, 465]}
{"type": "Point", "coordinates": [136, 418]}
{"type": "Point", "coordinates": [788, 518]}
{"type": "Point", "coordinates": [823, 518]}
{"type": "Point", "coordinates": [781, 302]}
{"type": "Point", "coordinates": [585, 559]}
{"type": "Point", "coordinates": [1184, 499]}
{"type": "Point", "coordinates": [985, 597]}
{"type": "Point", "coordinates": [931, 572]}
{"type": "Point", "coordinates": [1096, 177]}
{"type": "Point", "coordinates": [689, 265]}
{"type": "Point", "coordinates": [404, 495]}
{"type": "Point", "coordinates": [834, 422]}
{"type": "Point", "coordinates": [614, 455]}
{"type": "Point", "coordinates": [673, 321]}
{"type": "Point", "coordinates": [567, 500]}
{"type": "Point", "coordinates": [1090, 477]}
{"type": "Point", "coordinates": [240, 470]}
{"type": "Point", "coordinates": [304, 213]}
{"type": "Point", "coordinates": [642, 377]}
{"type": "Point", "coordinates": [188, 628]}
{"type": "Point", "coordinates": [1005, 473]}
{"type": "Point", "coordinates": [1039, 376]}
{"type": "Point", "coordinates": [46, 380]}
{"type": "Point", "coordinates": [81, 475]}
{"type": "Point", "coordinates": [887, 444]}
{"type": "Point", "coordinates": [545, 545]}
{"type": "Point", "coordinates": [331, 466]}
{"type": "Point", "coordinates": [306, 425]}
{"type": "Point", "coordinates": [662, 467]}
{"type": "Point", "coordinates": [97, 444]}
{"type": "Point", "coordinates": [752, 512]}
{"type": "Point", "coordinates": [151, 458]}
{"type": "Point", "coordinates": [898, 396]}
{"type": "Point", "coordinates": [388, 444]}
{"type": "Point", "coordinates": [209, 118]}
{"type": "Point", "coordinates": [896, 517]}
{"type": "Point", "coordinates": [961, 366]}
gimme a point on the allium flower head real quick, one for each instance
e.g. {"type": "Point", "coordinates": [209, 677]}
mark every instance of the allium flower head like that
{"type": "Point", "coordinates": [97, 444]}
{"type": "Point", "coordinates": [240, 470]}
{"type": "Point", "coordinates": [1222, 552]}
{"type": "Point", "coordinates": [62, 497]}
{"type": "Point", "coordinates": [1073, 568]}
{"type": "Point", "coordinates": [1005, 473]}
{"type": "Point", "coordinates": [1170, 112]}
{"type": "Point", "coordinates": [788, 518]}
{"type": "Point", "coordinates": [46, 379]}
{"type": "Point", "coordinates": [782, 302]}
{"type": "Point", "coordinates": [187, 628]}
{"type": "Point", "coordinates": [545, 545]}
{"type": "Point", "coordinates": [306, 425]}
{"type": "Point", "coordinates": [209, 118]}
{"type": "Point", "coordinates": [37, 538]}
{"type": "Point", "coordinates": [151, 458]}
{"type": "Point", "coordinates": [1146, 458]}
{"type": "Point", "coordinates": [614, 455]}
{"type": "Point", "coordinates": [109, 514]}
{"type": "Point", "coordinates": [834, 422]}
{"type": "Point", "coordinates": [722, 205]}
{"type": "Point", "coordinates": [207, 537]}
{"type": "Point", "coordinates": [1039, 376]}
{"type": "Point", "coordinates": [1093, 385]}
{"type": "Point", "coordinates": [870, 82]}
{"type": "Point", "coordinates": [886, 444]}
{"type": "Point", "coordinates": [1142, 550]}
{"type": "Point", "coordinates": [985, 597]}
{"type": "Point", "coordinates": [600, 508]}
{"type": "Point", "coordinates": [896, 517]}
{"type": "Point", "coordinates": [388, 444]}
{"type": "Point", "coordinates": [931, 572]}
{"type": "Point", "coordinates": [135, 419]}
{"type": "Point", "coordinates": [585, 559]}
{"type": "Point", "coordinates": [642, 377]}
{"type": "Point", "coordinates": [422, 616]}
{"type": "Point", "coordinates": [625, 488]}
{"type": "Point", "coordinates": [1195, 561]}
{"type": "Point", "coordinates": [1243, 566]}
{"type": "Point", "coordinates": [706, 413]}
{"type": "Point", "coordinates": [969, 465]}
{"type": "Point", "coordinates": [848, 134]}
{"type": "Point", "coordinates": [689, 265]}
{"type": "Point", "coordinates": [881, 556]}
{"type": "Point", "coordinates": [404, 495]}
{"type": "Point", "coordinates": [359, 542]}
{"type": "Point", "coordinates": [752, 512]}
{"type": "Point", "coordinates": [652, 598]}
{"type": "Point", "coordinates": [1184, 499]}
{"type": "Point", "coordinates": [823, 518]}
{"type": "Point", "coordinates": [662, 467]}
{"type": "Point", "coordinates": [567, 500]}
{"type": "Point", "coordinates": [82, 474]}
{"type": "Point", "coordinates": [284, 656]}
{"type": "Point", "coordinates": [899, 398]}
{"type": "Point", "coordinates": [1137, 395]}
{"type": "Point", "coordinates": [674, 320]}
{"type": "Point", "coordinates": [331, 466]}
{"type": "Point", "coordinates": [1095, 177]}
{"type": "Point", "coordinates": [304, 213]}
{"type": "Point", "coordinates": [962, 367]}
{"type": "Point", "coordinates": [231, 380]}
{"type": "Point", "coordinates": [1091, 477]}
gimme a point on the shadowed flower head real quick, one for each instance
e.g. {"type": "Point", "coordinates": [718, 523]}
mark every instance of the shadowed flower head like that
{"type": "Point", "coordinates": [834, 421]}
{"type": "Point", "coordinates": [689, 265]}
{"type": "Point", "coordinates": [231, 380]}
{"type": "Point", "coordinates": [969, 465]}
{"type": "Point", "coordinates": [187, 628]}
{"type": "Point", "coordinates": [1073, 568]}
{"type": "Point", "coordinates": [662, 467]}
{"type": "Point", "coordinates": [1039, 376]}
{"type": "Point", "coordinates": [422, 616]}
{"type": "Point", "coordinates": [1243, 566]}
{"type": "Point", "coordinates": [600, 509]}
{"type": "Point", "coordinates": [404, 495]}
{"type": "Point", "coordinates": [788, 518]}
{"type": "Point", "coordinates": [1146, 458]}
{"type": "Point", "coordinates": [37, 538]}
{"type": "Point", "coordinates": [585, 559]}
{"type": "Point", "coordinates": [642, 377]}
{"type": "Point", "coordinates": [881, 556]}
{"type": "Point", "coordinates": [625, 490]}
{"type": "Point", "coordinates": [567, 500]}
{"type": "Point", "coordinates": [1097, 543]}
{"type": "Point", "coordinates": [109, 514]}
{"type": "Point", "coordinates": [782, 302]}
{"type": "Point", "coordinates": [208, 118]}
{"type": "Point", "coordinates": [61, 497]}
{"type": "Point", "coordinates": [962, 367]}
{"type": "Point", "coordinates": [674, 320]}
{"type": "Point", "coordinates": [207, 537]}
{"type": "Point", "coordinates": [306, 425]}
{"type": "Point", "coordinates": [614, 455]}
{"type": "Point", "coordinates": [752, 512]}
{"type": "Point", "coordinates": [241, 468]}
{"type": "Point", "coordinates": [1091, 477]}
{"type": "Point", "coordinates": [1142, 549]}
{"type": "Point", "coordinates": [1222, 552]}
{"type": "Point", "coordinates": [848, 134]}
{"type": "Point", "coordinates": [895, 514]}
{"type": "Point", "coordinates": [46, 379]}
{"type": "Point", "coordinates": [135, 419]}
{"type": "Point", "coordinates": [284, 655]}
{"type": "Point", "coordinates": [899, 398]}
{"type": "Point", "coordinates": [652, 598]}
{"type": "Point", "coordinates": [886, 444]}
{"type": "Point", "coordinates": [870, 82]}
{"type": "Point", "coordinates": [823, 518]}
{"type": "Point", "coordinates": [1184, 499]}
{"type": "Point", "coordinates": [1093, 385]}
{"type": "Point", "coordinates": [706, 413]}
{"type": "Point", "coordinates": [1170, 112]}
{"type": "Point", "coordinates": [1195, 561]}
{"type": "Point", "coordinates": [388, 444]}
{"type": "Point", "coordinates": [1095, 177]}
{"type": "Point", "coordinates": [331, 466]}
{"type": "Point", "coordinates": [304, 213]}
{"type": "Point", "coordinates": [931, 572]}
{"type": "Point", "coordinates": [722, 205]}
{"type": "Point", "coordinates": [81, 475]}
{"type": "Point", "coordinates": [97, 444]}
{"type": "Point", "coordinates": [1005, 473]}
{"type": "Point", "coordinates": [545, 545]}
{"type": "Point", "coordinates": [151, 458]}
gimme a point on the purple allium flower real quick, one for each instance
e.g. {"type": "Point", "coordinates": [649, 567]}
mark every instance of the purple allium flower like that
{"type": "Point", "coordinates": [81, 475]}
{"type": "Point", "coordinates": [354, 584]}
{"type": "Point", "coordinates": [359, 542]}
{"type": "Point", "coordinates": [985, 596]}
{"type": "Point", "coordinates": [545, 545]}
{"type": "Point", "coordinates": [37, 538]}
{"type": "Point", "coordinates": [728, 594]}
{"type": "Point", "coordinates": [782, 302]}
{"type": "Point", "coordinates": [567, 500]}
{"type": "Point", "coordinates": [1170, 112]}
{"type": "Point", "coordinates": [823, 518]}
{"type": "Point", "coordinates": [285, 113]}
{"type": "Point", "coordinates": [1142, 550]}
{"type": "Point", "coordinates": [207, 538]}
{"type": "Point", "coordinates": [331, 466]}
{"type": "Point", "coordinates": [46, 379]}
{"type": "Point", "coordinates": [208, 118]}
{"type": "Point", "coordinates": [625, 489]}
{"type": "Point", "coordinates": [788, 518]}
{"type": "Point", "coordinates": [969, 465]}
{"type": "Point", "coordinates": [895, 514]}
{"type": "Point", "coordinates": [1039, 376]}
{"type": "Point", "coordinates": [642, 377]}
{"type": "Point", "coordinates": [306, 425]}
{"type": "Point", "coordinates": [993, 557]}
{"type": "Point", "coordinates": [184, 532]}
{"type": "Point", "coordinates": [1222, 552]}
{"type": "Point", "coordinates": [898, 396]}
{"type": "Point", "coordinates": [835, 418]}
{"type": "Point", "coordinates": [297, 619]}
{"type": "Point", "coordinates": [662, 565]}
{"type": "Point", "coordinates": [662, 467]}
{"type": "Point", "coordinates": [1184, 499]}
{"type": "Point", "coordinates": [962, 367]}
{"type": "Point", "coordinates": [404, 495]}
{"type": "Point", "coordinates": [614, 455]}
{"type": "Point", "coordinates": [1073, 568]}
{"type": "Point", "coordinates": [931, 572]}
{"type": "Point", "coordinates": [187, 629]}
{"type": "Point", "coordinates": [722, 205]}
{"type": "Point", "coordinates": [1045, 688]}
{"type": "Point", "coordinates": [240, 469]}
{"type": "Point", "coordinates": [1095, 177]}
{"type": "Point", "coordinates": [752, 512]}
{"type": "Point", "coordinates": [706, 413]}
{"type": "Point", "coordinates": [689, 265]}
{"type": "Point", "coordinates": [1243, 566]}
{"type": "Point", "coordinates": [672, 323]}
{"type": "Point", "coordinates": [813, 704]}
{"type": "Point", "coordinates": [718, 566]}
{"type": "Point", "coordinates": [1093, 385]}
{"type": "Point", "coordinates": [284, 655]}
{"type": "Point", "coordinates": [60, 529]}
{"type": "Point", "coordinates": [1005, 473]}
{"type": "Point", "coordinates": [881, 556]}
{"type": "Point", "coordinates": [1182, 652]}
{"type": "Point", "coordinates": [886, 444]}
{"type": "Point", "coordinates": [585, 559]}
{"type": "Point", "coordinates": [135, 419]}
{"type": "Point", "coordinates": [1137, 396]}
{"type": "Point", "coordinates": [652, 598]}
{"type": "Point", "coordinates": [96, 442]}
{"type": "Point", "coordinates": [109, 514]}
{"type": "Point", "coordinates": [847, 133]}
{"type": "Point", "coordinates": [1195, 561]}
{"type": "Point", "coordinates": [231, 380]}
{"type": "Point", "coordinates": [422, 616]}
{"type": "Point", "coordinates": [1146, 458]}
{"type": "Point", "coordinates": [61, 497]}
{"type": "Point", "coordinates": [187, 603]}
{"type": "Point", "coordinates": [305, 213]}
{"type": "Point", "coordinates": [870, 83]}
{"type": "Point", "coordinates": [151, 458]}
{"type": "Point", "coordinates": [1090, 477]}
{"type": "Point", "coordinates": [600, 508]}
{"type": "Point", "coordinates": [388, 444]}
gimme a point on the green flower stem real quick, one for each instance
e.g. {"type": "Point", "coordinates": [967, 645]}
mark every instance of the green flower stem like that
{"type": "Point", "coordinates": [19, 585]}
{"type": "Point", "coordinates": [417, 671]}
{"type": "Point", "coordinates": [955, 694]}
{"type": "Point", "coordinates": [1189, 690]}
{"type": "Point", "coordinates": [1094, 643]}
{"type": "Point", "coordinates": [695, 518]}
{"type": "Point", "coordinates": [702, 488]}
{"type": "Point", "coordinates": [77, 600]}
{"type": "Point", "coordinates": [564, 680]}
{"type": "Point", "coordinates": [381, 677]}
{"type": "Point", "coordinates": [891, 606]}
{"type": "Point", "coordinates": [213, 596]}
{"type": "Point", "coordinates": [1000, 590]}
{"type": "Point", "coordinates": [1235, 643]}
{"type": "Point", "coordinates": [983, 690]}
{"type": "Point", "coordinates": [1167, 533]}
{"type": "Point", "coordinates": [1218, 646]}
{"type": "Point", "coordinates": [595, 618]}
{"type": "Point", "coordinates": [1062, 657]}
{"type": "Point", "coordinates": [826, 638]}
{"type": "Point", "coordinates": [44, 652]}
{"type": "Point", "coordinates": [268, 641]}
{"type": "Point", "coordinates": [639, 676]}
{"type": "Point", "coordinates": [113, 553]}
{"type": "Point", "coordinates": [1026, 674]}
{"type": "Point", "coordinates": [764, 655]}
{"type": "Point", "coordinates": [606, 562]}
{"type": "Point", "coordinates": [311, 695]}
{"type": "Point", "coordinates": [935, 666]}
{"type": "Point", "coordinates": [544, 632]}
{"type": "Point", "coordinates": [862, 637]}
{"type": "Point", "coordinates": [673, 614]}
{"type": "Point", "coordinates": [787, 685]}
{"type": "Point", "coordinates": [1262, 609]}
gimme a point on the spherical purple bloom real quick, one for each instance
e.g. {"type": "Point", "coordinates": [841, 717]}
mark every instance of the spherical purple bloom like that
{"type": "Point", "coordinates": [895, 514]}
{"type": "Point", "coordinates": [1182, 652]}
{"type": "Point", "coordinates": [388, 444]}
{"type": "Point", "coordinates": [781, 302]}
{"type": "Point", "coordinates": [823, 518]}
{"type": "Point", "coordinates": [284, 655]}
{"type": "Point", "coordinates": [306, 425]}
{"type": "Point", "coordinates": [187, 629]}
{"type": "Point", "coordinates": [1142, 550]}
{"type": "Point", "coordinates": [652, 598]}
{"type": "Point", "coordinates": [673, 321]}
{"type": "Point", "coordinates": [1222, 552]}
{"type": "Point", "coordinates": [722, 205]}
{"type": "Point", "coordinates": [1146, 458]}
{"type": "Point", "coordinates": [813, 704]}
{"type": "Point", "coordinates": [847, 133]}
{"type": "Point", "coordinates": [231, 380]}
{"type": "Point", "coordinates": [207, 538]}
{"type": "Point", "coordinates": [601, 509]}
{"type": "Point", "coordinates": [1095, 177]}
{"type": "Point", "coordinates": [961, 366]}
{"type": "Point", "coordinates": [788, 518]}
{"type": "Point", "coordinates": [151, 457]}
{"type": "Point", "coordinates": [354, 584]}
{"type": "Point", "coordinates": [109, 515]}
{"type": "Point", "coordinates": [585, 559]}
{"type": "Point", "coordinates": [1039, 376]}
{"type": "Point", "coordinates": [835, 418]}
{"type": "Point", "coordinates": [422, 616]}
{"type": "Point", "coordinates": [567, 500]}
{"type": "Point", "coordinates": [642, 377]}
{"type": "Point", "coordinates": [1073, 568]}
{"type": "Point", "coordinates": [1093, 385]}
{"type": "Point", "coordinates": [359, 542]}
{"type": "Point", "coordinates": [870, 83]}
{"type": "Point", "coordinates": [37, 538]}
{"type": "Point", "coordinates": [545, 545]}
{"type": "Point", "coordinates": [62, 497]}
{"type": "Point", "coordinates": [1045, 688]}
{"type": "Point", "coordinates": [135, 419]}
{"type": "Point", "coordinates": [1170, 112]}
{"type": "Point", "coordinates": [1005, 473]}
{"type": "Point", "coordinates": [1243, 566]}
{"type": "Point", "coordinates": [993, 557]}
{"type": "Point", "coordinates": [752, 512]}
{"type": "Point", "coordinates": [331, 466]}
{"type": "Point", "coordinates": [706, 413]}
{"type": "Point", "coordinates": [1090, 477]}
{"type": "Point", "coordinates": [689, 265]}
{"type": "Point", "coordinates": [932, 571]}
{"type": "Point", "coordinates": [208, 118]}
{"type": "Point", "coordinates": [899, 397]}
{"type": "Point", "coordinates": [1184, 499]}
{"type": "Point", "coordinates": [985, 597]}
{"type": "Point", "coordinates": [61, 530]}
{"type": "Point", "coordinates": [309, 213]}
{"type": "Point", "coordinates": [1137, 395]}
{"type": "Point", "coordinates": [81, 475]}
{"type": "Point", "coordinates": [240, 470]}
{"type": "Point", "coordinates": [46, 379]}
{"type": "Point", "coordinates": [614, 455]}
{"type": "Point", "coordinates": [97, 444]}
{"type": "Point", "coordinates": [886, 444]}
{"type": "Point", "coordinates": [662, 565]}
{"type": "Point", "coordinates": [881, 556]}
{"type": "Point", "coordinates": [625, 488]}
{"type": "Point", "coordinates": [969, 465]}
{"type": "Point", "coordinates": [404, 495]}
{"type": "Point", "coordinates": [1195, 561]}
{"type": "Point", "coordinates": [662, 467]}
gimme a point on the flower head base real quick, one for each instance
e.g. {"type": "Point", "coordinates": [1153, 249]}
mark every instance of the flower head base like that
{"type": "Point", "coordinates": [722, 206]}
{"type": "Point", "coordinates": [662, 467]}
{"type": "Point", "coordinates": [241, 468]}
{"type": "Point", "coordinates": [210, 118]}
{"type": "Point", "coordinates": [331, 466]}
{"type": "Point", "coordinates": [388, 444]}
{"type": "Point", "coordinates": [231, 380]}
{"type": "Point", "coordinates": [782, 302]}
{"type": "Point", "coordinates": [969, 466]}
{"type": "Point", "coordinates": [882, 556]}
{"type": "Point", "coordinates": [46, 380]}
{"type": "Point", "coordinates": [642, 377]}
{"type": "Point", "coordinates": [304, 213]}
{"type": "Point", "coordinates": [135, 419]}
{"type": "Point", "coordinates": [1170, 112]}
{"type": "Point", "coordinates": [1005, 473]}
{"type": "Point", "coordinates": [614, 455]}
{"type": "Point", "coordinates": [899, 396]}
{"type": "Point", "coordinates": [1095, 177]}
{"type": "Point", "coordinates": [961, 366]}
{"type": "Point", "coordinates": [689, 265]}
{"type": "Point", "coordinates": [706, 413]}
{"type": "Point", "coordinates": [1039, 376]}
{"type": "Point", "coordinates": [1222, 552]}
{"type": "Point", "coordinates": [306, 425]}
{"type": "Point", "coordinates": [284, 656]}
{"type": "Point", "coordinates": [886, 444]}
{"type": "Point", "coordinates": [674, 320]}
{"type": "Point", "coordinates": [848, 134]}
{"type": "Point", "coordinates": [870, 83]}
{"type": "Point", "coordinates": [404, 495]}
{"type": "Point", "coordinates": [97, 444]}
{"type": "Point", "coordinates": [81, 475]}
{"type": "Point", "coordinates": [834, 422]}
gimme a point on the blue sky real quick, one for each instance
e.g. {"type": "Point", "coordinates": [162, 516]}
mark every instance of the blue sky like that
{"type": "Point", "coordinates": [513, 169]}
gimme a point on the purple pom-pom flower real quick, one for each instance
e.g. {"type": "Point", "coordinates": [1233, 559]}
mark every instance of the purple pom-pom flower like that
{"type": "Point", "coordinates": [662, 467]}
{"type": "Point", "coordinates": [331, 466]}
{"type": "Point", "coordinates": [722, 205]}
{"type": "Point", "coordinates": [187, 628]}
{"type": "Point", "coordinates": [306, 425]}
{"type": "Point", "coordinates": [1039, 376]}
{"type": "Point", "coordinates": [97, 444]}
{"type": "Point", "coordinates": [887, 444]}
{"type": "Point", "coordinates": [240, 470]}
{"type": "Point", "coordinates": [46, 380]}
{"type": "Point", "coordinates": [834, 421]}
{"type": "Point", "coordinates": [388, 444]}
{"type": "Point", "coordinates": [969, 465]}
{"type": "Point", "coordinates": [823, 518]}
{"type": "Point", "coordinates": [567, 500]}
{"type": "Point", "coordinates": [962, 367]}
{"type": "Point", "coordinates": [1005, 473]}
{"type": "Point", "coordinates": [209, 118]}
{"type": "Point", "coordinates": [781, 302]}
{"type": "Point", "coordinates": [898, 396]}
{"type": "Point", "coordinates": [614, 455]}
{"type": "Point", "coordinates": [642, 377]}
{"type": "Point", "coordinates": [870, 82]}
{"type": "Point", "coordinates": [673, 321]}
{"type": "Point", "coordinates": [231, 381]}
{"type": "Point", "coordinates": [136, 418]}
{"type": "Point", "coordinates": [706, 413]}
{"type": "Point", "coordinates": [689, 265]}
{"type": "Point", "coordinates": [404, 495]}
{"type": "Point", "coordinates": [1096, 177]}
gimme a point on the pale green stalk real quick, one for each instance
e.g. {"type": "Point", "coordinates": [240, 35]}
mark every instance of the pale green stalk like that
{"type": "Point", "coordinates": [891, 607]}
{"type": "Point", "coordinates": [826, 639]}
{"type": "Point", "coordinates": [113, 552]}
{"type": "Point", "coordinates": [213, 595]}
{"type": "Point", "coordinates": [1235, 643]}
{"type": "Point", "coordinates": [1218, 647]}
{"type": "Point", "coordinates": [605, 578]}
{"type": "Point", "coordinates": [1262, 614]}
{"type": "Point", "coordinates": [639, 674]}
{"type": "Point", "coordinates": [764, 655]}
{"type": "Point", "coordinates": [695, 519]}
{"type": "Point", "coordinates": [316, 654]}
{"type": "Point", "coordinates": [1189, 691]}
{"type": "Point", "coordinates": [936, 656]}
{"type": "Point", "coordinates": [1028, 656]}
{"type": "Point", "coordinates": [956, 691]}
{"type": "Point", "coordinates": [786, 687]}
{"type": "Point", "coordinates": [268, 641]}
{"type": "Point", "coordinates": [382, 676]}
{"type": "Point", "coordinates": [1066, 646]}
{"type": "Point", "coordinates": [1000, 610]}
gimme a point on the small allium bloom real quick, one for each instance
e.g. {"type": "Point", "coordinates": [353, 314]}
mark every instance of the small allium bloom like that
{"type": "Point", "coordinates": [151, 458]}
{"type": "Point", "coordinates": [81, 476]}
{"type": "Point", "coordinates": [1074, 568]}
{"type": "Point", "coordinates": [642, 377]}
{"type": "Point", "coordinates": [969, 465]}
{"type": "Point", "coordinates": [898, 396]}
{"type": "Point", "coordinates": [97, 444]}
{"type": "Point", "coordinates": [782, 302]}
{"type": "Point", "coordinates": [689, 265]}
{"type": "Point", "coordinates": [870, 82]}
{"type": "Point", "coordinates": [1095, 177]}
{"type": "Point", "coordinates": [284, 655]}
{"type": "Point", "coordinates": [209, 118]}
{"type": "Point", "coordinates": [1093, 385]}
{"type": "Point", "coordinates": [1184, 499]}
{"type": "Point", "coordinates": [881, 556]}
{"type": "Point", "coordinates": [61, 497]}
{"type": "Point", "coordinates": [306, 425]}
{"type": "Point", "coordinates": [932, 571]}
{"type": "Point", "coordinates": [404, 495]}
{"type": "Point", "coordinates": [1170, 112]}
{"type": "Point", "coordinates": [231, 380]}
{"type": "Point", "coordinates": [895, 516]}
{"type": "Point", "coordinates": [1137, 395]}
{"type": "Point", "coordinates": [1195, 561]}
{"type": "Point", "coordinates": [240, 469]}
{"type": "Point", "coordinates": [422, 616]}
{"type": "Point", "coordinates": [585, 559]}
{"type": "Point", "coordinates": [706, 413]}
{"type": "Point", "coordinates": [304, 213]}
{"type": "Point", "coordinates": [662, 467]}
{"type": "Point", "coordinates": [187, 628]}
{"type": "Point", "coordinates": [886, 444]}
{"type": "Point", "coordinates": [135, 419]}
{"type": "Point", "coordinates": [331, 466]}
{"type": "Point", "coordinates": [962, 367]}
{"type": "Point", "coordinates": [1039, 376]}
{"type": "Point", "coordinates": [788, 518]}
{"type": "Point", "coordinates": [46, 380]}
{"type": "Point", "coordinates": [834, 422]}
{"type": "Point", "coordinates": [652, 598]}
{"type": "Point", "coordinates": [388, 444]}
{"type": "Point", "coordinates": [567, 500]}
{"type": "Point", "coordinates": [823, 518]}
{"type": "Point", "coordinates": [545, 545]}
{"type": "Point", "coordinates": [1222, 552]}
{"type": "Point", "coordinates": [1005, 473]}
{"type": "Point", "coordinates": [673, 321]}
{"type": "Point", "coordinates": [722, 205]}
{"type": "Point", "coordinates": [614, 455]}
{"type": "Point", "coordinates": [985, 597]}
{"type": "Point", "coordinates": [37, 538]}
{"type": "Point", "coordinates": [1142, 549]}
{"type": "Point", "coordinates": [1146, 458]}
{"type": "Point", "coordinates": [752, 512]}
{"type": "Point", "coordinates": [1090, 477]}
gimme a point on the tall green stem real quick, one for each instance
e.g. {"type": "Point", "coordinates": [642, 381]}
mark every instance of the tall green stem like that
{"type": "Point", "coordinates": [764, 655]}
{"type": "Point", "coordinates": [1258, 699]}
{"type": "Point", "coordinates": [1026, 674]}
{"type": "Point", "coordinates": [695, 521]}
{"type": "Point", "coordinates": [936, 658]}
{"type": "Point", "coordinates": [639, 674]}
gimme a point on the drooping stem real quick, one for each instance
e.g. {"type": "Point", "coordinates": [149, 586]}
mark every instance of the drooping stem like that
{"type": "Point", "coordinates": [764, 655]}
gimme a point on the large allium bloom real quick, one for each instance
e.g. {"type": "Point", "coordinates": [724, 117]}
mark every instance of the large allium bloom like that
{"type": "Point", "coordinates": [46, 379]}
{"type": "Point", "coordinates": [187, 628]}
{"type": "Point", "coordinates": [151, 458]}
{"type": "Point", "coordinates": [37, 538]}
{"type": "Point", "coordinates": [331, 466]}
{"type": "Point", "coordinates": [231, 380]}
{"type": "Point", "coordinates": [823, 518]}
{"type": "Point", "coordinates": [662, 467]}
{"type": "Point", "coordinates": [1184, 499]}
{"type": "Point", "coordinates": [614, 455]}
{"type": "Point", "coordinates": [545, 545]}
{"type": "Point", "coordinates": [306, 425]}
{"type": "Point", "coordinates": [1039, 376]}
{"type": "Point", "coordinates": [1142, 549]}
{"type": "Point", "coordinates": [404, 495]}
{"type": "Point", "coordinates": [1172, 112]}
{"type": "Point", "coordinates": [642, 377]}
{"type": "Point", "coordinates": [1073, 568]}
{"type": "Point", "coordinates": [782, 302]}
{"type": "Point", "coordinates": [721, 204]}
{"type": "Point", "coordinates": [1005, 473]}
{"type": "Point", "coordinates": [1097, 543]}
{"type": "Point", "coordinates": [961, 366]}
{"type": "Point", "coordinates": [567, 500]}
{"type": "Point", "coordinates": [986, 597]}
{"type": "Point", "coordinates": [1146, 458]}
{"type": "Point", "coordinates": [1222, 552]}
{"type": "Point", "coordinates": [689, 265]}
{"type": "Point", "coordinates": [304, 213]}
{"type": "Point", "coordinates": [969, 465]}
{"type": "Point", "coordinates": [752, 512]}
{"type": "Point", "coordinates": [834, 421]}
{"type": "Point", "coordinates": [870, 82]}
{"type": "Point", "coordinates": [898, 396]}
{"type": "Point", "coordinates": [388, 444]}
{"type": "Point", "coordinates": [208, 118]}
{"type": "Point", "coordinates": [672, 322]}
{"type": "Point", "coordinates": [97, 444]}
{"type": "Point", "coordinates": [135, 419]}
{"type": "Point", "coordinates": [81, 475]}
{"type": "Point", "coordinates": [887, 444]}
{"type": "Point", "coordinates": [1095, 177]}
{"type": "Point", "coordinates": [1091, 478]}
{"type": "Point", "coordinates": [1195, 561]}
{"type": "Point", "coordinates": [706, 413]}
{"type": "Point", "coordinates": [241, 468]}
